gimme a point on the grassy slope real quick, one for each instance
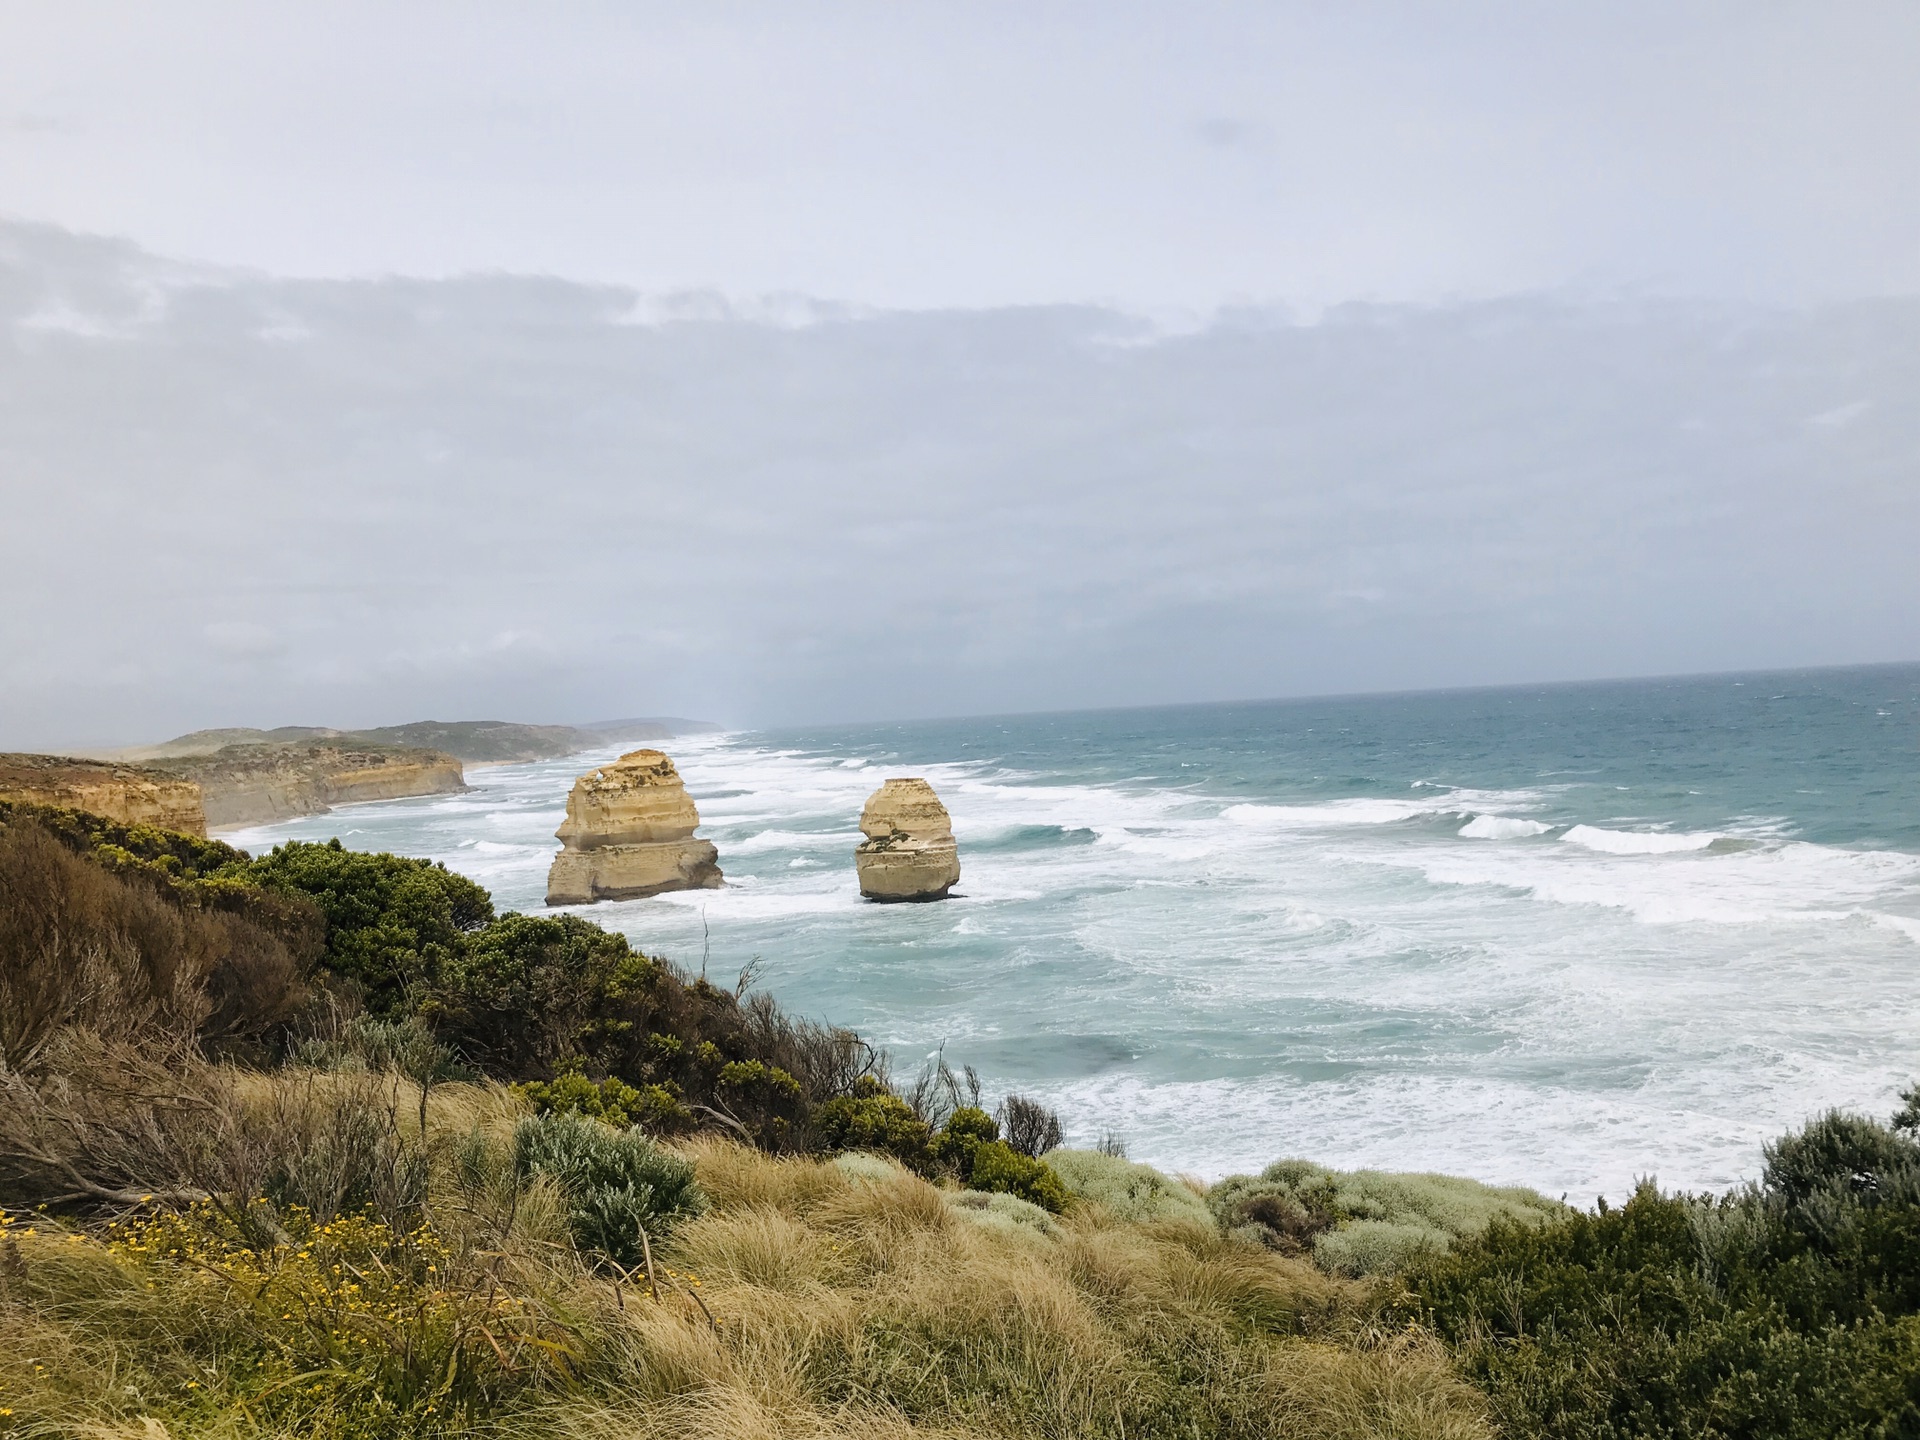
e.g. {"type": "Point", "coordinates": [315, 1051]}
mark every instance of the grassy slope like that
{"type": "Point", "coordinates": [844, 1300]}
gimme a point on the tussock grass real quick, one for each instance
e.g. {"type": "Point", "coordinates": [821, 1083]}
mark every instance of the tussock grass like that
{"type": "Point", "coordinates": [1129, 1191]}
{"type": "Point", "coordinates": [811, 1299]}
{"type": "Point", "coordinates": [850, 1301]}
{"type": "Point", "coordinates": [1367, 1222]}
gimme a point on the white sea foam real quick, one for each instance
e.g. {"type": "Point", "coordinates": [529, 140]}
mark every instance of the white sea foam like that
{"type": "Point", "coordinates": [1637, 842]}
{"type": "Point", "coordinates": [1502, 827]}
{"type": "Point", "coordinates": [1364, 979]}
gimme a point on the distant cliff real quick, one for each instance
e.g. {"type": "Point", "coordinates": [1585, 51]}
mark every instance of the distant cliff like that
{"type": "Point", "coordinates": [129, 794]}
{"type": "Point", "coordinates": [251, 784]}
{"type": "Point", "coordinates": [477, 742]}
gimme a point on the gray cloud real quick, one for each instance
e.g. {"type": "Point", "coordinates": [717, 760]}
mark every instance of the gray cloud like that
{"type": "Point", "coordinates": [991, 153]}
{"type": "Point", "coordinates": [235, 499]}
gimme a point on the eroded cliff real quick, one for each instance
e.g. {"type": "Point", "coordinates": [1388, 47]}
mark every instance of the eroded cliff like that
{"type": "Point", "coordinates": [129, 794]}
{"type": "Point", "coordinates": [252, 784]}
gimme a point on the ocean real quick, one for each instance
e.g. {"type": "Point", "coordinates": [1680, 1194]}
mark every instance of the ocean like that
{"type": "Point", "coordinates": [1565, 936]}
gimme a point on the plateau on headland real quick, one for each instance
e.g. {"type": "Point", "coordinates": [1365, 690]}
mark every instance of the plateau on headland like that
{"type": "Point", "coordinates": [909, 852]}
{"type": "Point", "coordinates": [629, 833]}
{"type": "Point", "coordinates": [127, 794]}
{"type": "Point", "coordinates": [252, 784]}
{"type": "Point", "coordinates": [476, 742]}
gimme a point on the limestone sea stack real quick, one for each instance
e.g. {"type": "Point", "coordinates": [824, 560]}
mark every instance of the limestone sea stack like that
{"type": "Point", "coordinates": [629, 832]}
{"type": "Point", "coordinates": [909, 852]}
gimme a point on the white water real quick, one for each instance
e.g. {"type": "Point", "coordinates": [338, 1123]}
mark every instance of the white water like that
{"type": "Point", "coordinates": [1472, 980]}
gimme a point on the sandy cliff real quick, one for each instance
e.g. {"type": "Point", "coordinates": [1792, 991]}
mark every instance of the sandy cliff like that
{"type": "Point", "coordinates": [909, 852]}
{"type": "Point", "coordinates": [251, 784]}
{"type": "Point", "coordinates": [130, 794]}
{"type": "Point", "coordinates": [629, 832]}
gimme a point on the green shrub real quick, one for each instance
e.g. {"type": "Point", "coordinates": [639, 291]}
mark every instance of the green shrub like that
{"type": "Point", "coordinates": [617, 1182]}
{"type": "Point", "coordinates": [1787, 1311]}
{"type": "Point", "coordinates": [391, 922]}
{"type": "Point", "coordinates": [1132, 1192]}
{"type": "Point", "coordinates": [873, 1118]}
{"type": "Point", "coordinates": [966, 1130]}
{"type": "Point", "coordinates": [1364, 1222]}
{"type": "Point", "coordinates": [756, 1077]}
{"type": "Point", "coordinates": [654, 1108]}
{"type": "Point", "coordinates": [527, 991]}
{"type": "Point", "coordinates": [1000, 1169]}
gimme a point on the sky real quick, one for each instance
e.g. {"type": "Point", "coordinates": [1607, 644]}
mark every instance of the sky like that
{"type": "Point", "coordinates": [365, 363]}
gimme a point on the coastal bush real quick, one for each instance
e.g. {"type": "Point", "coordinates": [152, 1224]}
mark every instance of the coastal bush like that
{"type": "Point", "coordinates": [618, 1183]}
{"type": "Point", "coordinates": [965, 1131]}
{"type": "Point", "coordinates": [168, 853]}
{"type": "Point", "coordinates": [873, 1118]}
{"type": "Point", "coordinates": [1028, 1126]}
{"type": "Point", "coordinates": [1000, 1169]}
{"type": "Point", "coordinates": [1130, 1192]}
{"type": "Point", "coordinates": [82, 947]}
{"type": "Point", "coordinates": [391, 922]}
{"type": "Point", "coordinates": [1364, 1222]}
{"type": "Point", "coordinates": [653, 1108]}
{"type": "Point", "coordinates": [1786, 1311]}
{"type": "Point", "coordinates": [524, 992]}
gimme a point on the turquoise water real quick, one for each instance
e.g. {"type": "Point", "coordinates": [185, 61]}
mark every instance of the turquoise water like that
{"type": "Point", "coordinates": [1563, 936]}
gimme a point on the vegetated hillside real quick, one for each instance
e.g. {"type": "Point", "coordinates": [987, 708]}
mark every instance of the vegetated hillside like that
{"type": "Point", "coordinates": [205, 742]}
{"type": "Point", "coordinates": [318, 1143]}
{"type": "Point", "coordinates": [474, 741]}
{"type": "Point", "coordinates": [485, 741]}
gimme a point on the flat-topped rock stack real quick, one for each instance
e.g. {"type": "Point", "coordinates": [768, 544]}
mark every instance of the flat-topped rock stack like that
{"type": "Point", "coordinates": [909, 852]}
{"type": "Point", "coordinates": [629, 832]}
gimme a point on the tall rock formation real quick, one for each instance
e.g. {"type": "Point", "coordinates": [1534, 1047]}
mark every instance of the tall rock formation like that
{"type": "Point", "coordinates": [129, 794]}
{"type": "Point", "coordinates": [909, 852]}
{"type": "Point", "coordinates": [629, 832]}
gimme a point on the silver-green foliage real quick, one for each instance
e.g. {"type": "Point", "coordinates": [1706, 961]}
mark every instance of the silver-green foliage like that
{"type": "Point", "coordinates": [1130, 1191]}
{"type": "Point", "coordinates": [618, 1183]}
{"type": "Point", "coordinates": [1366, 1222]}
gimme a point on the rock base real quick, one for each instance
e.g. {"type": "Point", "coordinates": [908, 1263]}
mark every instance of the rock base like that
{"type": "Point", "coordinates": [894, 870]}
{"type": "Point", "coordinates": [631, 872]}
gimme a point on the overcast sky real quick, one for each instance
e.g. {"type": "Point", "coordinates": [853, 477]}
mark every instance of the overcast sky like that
{"type": "Point", "coordinates": [867, 360]}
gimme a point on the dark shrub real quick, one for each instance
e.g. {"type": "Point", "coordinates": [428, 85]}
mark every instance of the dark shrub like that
{"type": "Point", "coordinates": [1836, 1149]}
{"type": "Point", "coordinates": [1029, 1126]}
{"type": "Point", "coordinates": [1000, 1168]}
{"type": "Point", "coordinates": [1789, 1311]}
{"type": "Point", "coordinates": [617, 1183]}
{"type": "Point", "coordinates": [521, 994]}
{"type": "Point", "coordinates": [966, 1130]}
{"type": "Point", "coordinates": [873, 1118]}
{"type": "Point", "coordinates": [392, 922]}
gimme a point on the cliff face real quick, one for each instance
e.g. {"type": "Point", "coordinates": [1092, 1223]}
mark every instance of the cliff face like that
{"type": "Point", "coordinates": [251, 784]}
{"type": "Point", "coordinates": [129, 794]}
{"type": "Point", "coordinates": [629, 832]}
{"type": "Point", "coordinates": [909, 852]}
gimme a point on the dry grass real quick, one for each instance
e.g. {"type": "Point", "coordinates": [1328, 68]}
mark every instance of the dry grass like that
{"type": "Point", "coordinates": [812, 1300]}
{"type": "Point", "coordinates": [857, 1305]}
